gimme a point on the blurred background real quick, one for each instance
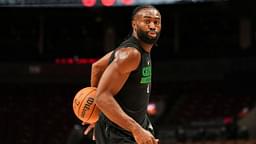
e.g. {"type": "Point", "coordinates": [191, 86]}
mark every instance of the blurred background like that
{"type": "Point", "coordinates": [203, 75]}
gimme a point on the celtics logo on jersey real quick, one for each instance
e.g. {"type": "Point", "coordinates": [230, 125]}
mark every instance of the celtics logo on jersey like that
{"type": "Point", "coordinates": [146, 75]}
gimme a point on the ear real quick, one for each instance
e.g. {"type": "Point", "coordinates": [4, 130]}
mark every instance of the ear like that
{"type": "Point", "coordinates": [133, 24]}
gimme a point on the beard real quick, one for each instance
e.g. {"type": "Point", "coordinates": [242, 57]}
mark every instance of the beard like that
{"type": "Point", "coordinates": [143, 35]}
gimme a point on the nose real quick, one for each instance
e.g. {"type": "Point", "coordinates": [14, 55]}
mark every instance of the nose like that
{"type": "Point", "coordinates": [152, 26]}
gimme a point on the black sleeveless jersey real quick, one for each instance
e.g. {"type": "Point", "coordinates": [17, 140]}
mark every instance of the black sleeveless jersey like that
{"type": "Point", "coordinates": [134, 95]}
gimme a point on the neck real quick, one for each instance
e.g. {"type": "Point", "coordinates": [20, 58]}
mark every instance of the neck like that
{"type": "Point", "coordinates": [147, 47]}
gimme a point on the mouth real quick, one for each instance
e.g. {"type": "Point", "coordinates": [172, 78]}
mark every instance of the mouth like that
{"type": "Point", "coordinates": [152, 34]}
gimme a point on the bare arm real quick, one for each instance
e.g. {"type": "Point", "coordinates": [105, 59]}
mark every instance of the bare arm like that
{"type": "Point", "coordinates": [112, 80]}
{"type": "Point", "coordinates": [96, 71]}
{"type": "Point", "coordinates": [109, 79]}
{"type": "Point", "coordinates": [98, 68]}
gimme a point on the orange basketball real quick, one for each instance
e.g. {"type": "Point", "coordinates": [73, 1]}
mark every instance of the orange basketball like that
{"type": "Point", "coordinates": [84, 105]}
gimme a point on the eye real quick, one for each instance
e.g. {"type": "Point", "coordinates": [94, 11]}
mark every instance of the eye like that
{"type": "Point", "coordinates": [156, 22]}
{"type": "Point", "coordinates": [147, 21]}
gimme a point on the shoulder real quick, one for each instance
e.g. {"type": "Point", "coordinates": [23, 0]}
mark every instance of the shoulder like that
{"type": "Point", "coordinates": [127, 54]}
{"type": "Point", "coordinates": [128, 57]}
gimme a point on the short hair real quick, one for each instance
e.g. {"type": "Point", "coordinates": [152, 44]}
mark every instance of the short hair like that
{"type": "Point", "coordinates": [139, 8]}
{"type": "Point", "coordinates": [135, 11]}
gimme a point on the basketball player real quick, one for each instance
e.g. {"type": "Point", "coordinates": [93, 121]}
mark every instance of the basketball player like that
{"type": "Point", "coordinates": [123, 81]}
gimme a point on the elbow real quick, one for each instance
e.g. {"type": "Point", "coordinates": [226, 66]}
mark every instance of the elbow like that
{"type": "Point", "coordinates": [96, 66]}
{"type": "Point", "coordinates": [99, 101]}
{"type": "Point", "coordinates": [102, 100]}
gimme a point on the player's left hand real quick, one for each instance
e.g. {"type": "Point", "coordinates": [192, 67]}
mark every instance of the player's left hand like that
{"type": "Point", "coordinates": [89, 128]}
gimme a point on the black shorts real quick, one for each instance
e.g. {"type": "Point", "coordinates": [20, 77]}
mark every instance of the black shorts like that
{"type": "Point", "coordinates": [107, 132]}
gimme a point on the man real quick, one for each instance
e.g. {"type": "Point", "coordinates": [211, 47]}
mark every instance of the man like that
{"type": "Point", "coordinates": [123, 81]}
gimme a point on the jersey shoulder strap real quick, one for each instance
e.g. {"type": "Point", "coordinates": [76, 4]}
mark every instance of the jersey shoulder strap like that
{"type": "Point", "coordinates": [131, 42]}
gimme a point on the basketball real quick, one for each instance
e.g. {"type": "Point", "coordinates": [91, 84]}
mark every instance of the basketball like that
{"type": "Point", "coordinates": [84, 105]}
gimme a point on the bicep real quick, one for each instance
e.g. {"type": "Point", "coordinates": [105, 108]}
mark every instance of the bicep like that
{"type": "Point", "coordinates": [112, 80]}
{"type": "Point", "coordinates": [116, 74]}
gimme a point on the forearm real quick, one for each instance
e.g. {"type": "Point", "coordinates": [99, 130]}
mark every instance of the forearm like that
{"type": "Point", "coordinates": [96, 73]}
{"type": "Point", "coordinates": [98, 68]}
{"type": "Point", "coordinates": [109, 106]}
{"type": "Point", "coordinates": [95, 77]}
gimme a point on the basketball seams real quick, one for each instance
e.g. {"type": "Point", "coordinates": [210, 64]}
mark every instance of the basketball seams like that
{"type": "Point", "coordinates": [89, 93]}
{"type": "Point", "coordinates": [84, 106]}
{"type": "Point", "coordinates": [91, 113]}
{"type": "Point", "coordinates": [79, 108]}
